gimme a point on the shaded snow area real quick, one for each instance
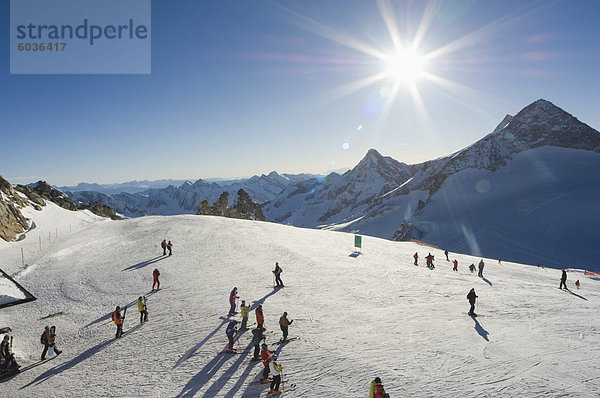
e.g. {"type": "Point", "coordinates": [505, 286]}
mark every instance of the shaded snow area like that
{"type": "Point", "coordinates": [356, 316]}
{"type": "Point", "coordinates": [9, 292]}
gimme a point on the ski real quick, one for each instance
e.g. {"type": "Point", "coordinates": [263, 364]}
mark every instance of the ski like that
{"type": "Point", "coordinates": [474, 315]}
{"type": "Point", "coordinates": [282, 341]}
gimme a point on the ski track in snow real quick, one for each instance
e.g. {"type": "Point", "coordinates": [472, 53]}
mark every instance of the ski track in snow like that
{"type": "Point", "coordinates": [375, 314]}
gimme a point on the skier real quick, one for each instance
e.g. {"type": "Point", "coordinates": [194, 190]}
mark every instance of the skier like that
{"type": "Point", "coordinates": [481, 265]}
{"type": "Point", "coordinates": [577, 283]}
{"type": "Point", "coordinates": [7, 358]}
{"type": "Point", "coordinates": [455, 262]}
{"type": "Point", "coordinates": [141, 303]}
{"type": "Point", "coordinates": [260, 318]}
{"type": "Point", "coordinates": [170, 247]}
{"type": "Point", "coordinates": [472, 267]}
{"type": "Point", "coordinates": [118, 320]}
{"type": "Point", "coordinates": [376, 390]}
{"type": "Point", "coordinates": [232, 297]}
{"type": "Point", "coordinates": [47, 339]}
{"type": "Point", "coordinates": [416, 257]}
{"type": "Point", "coordinates": [244, 309]}
{"type": "Point", "coordinates": [275, 369]}
{"type": "Point", "coordinates": [284, 322]}
{"type": "Point", "coordinates": [472, 297]}
{"type": "Point", "coordinates": [429, 259]}
{"type": "Point", "coordinates": [446, 253]}
{"type": "Point", "coordinates": [265, 355]}
{"type": "Point", "coordinates": [230, 331]}
{"type": "Point", "coordinates": [257, 337]}
{"type": "Point", "coordinates": [163, 244]}
{"type": "Point", "coordinates": [563, 280]}
{"type": "Point", "coordinates": [155, 281]}
{"type": "Point", "coordinates": [277, 271]}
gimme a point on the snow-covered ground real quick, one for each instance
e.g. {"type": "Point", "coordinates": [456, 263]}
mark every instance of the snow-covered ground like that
{"type": "Point", "coordinates": [356, 316]}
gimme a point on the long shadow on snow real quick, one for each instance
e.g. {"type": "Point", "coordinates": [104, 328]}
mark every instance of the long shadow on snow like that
{"type": "Point", "coordinates": [487, 281]}
{"type": "Point", "coordinates": [75, 361]}
{"type": "Point", "coordinates": [254, 388]}
{"type": "Point", "coordinates": [108, 317]}
{"type": "Point", "coordinates": [192, 350]}
{"type": "Point", "coordinates": [144, 263]}
{"type": "Point", "coordinates": [482, 332]}
{"type": "Point", "coordinates": [209, 370]}
{"type": "Point", "coordinates": [576, 295]}
{"type": "Point", "coordinates": [256, 303]}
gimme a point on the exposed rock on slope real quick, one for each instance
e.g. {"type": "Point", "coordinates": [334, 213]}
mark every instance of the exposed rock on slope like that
{"type": "Point", "coordinates": [244, 208]}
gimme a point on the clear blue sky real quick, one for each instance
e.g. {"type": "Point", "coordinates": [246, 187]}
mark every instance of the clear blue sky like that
{"type": "Point", "coordinates": [245, 87]}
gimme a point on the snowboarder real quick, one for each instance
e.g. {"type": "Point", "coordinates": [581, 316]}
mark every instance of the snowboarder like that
{"type": "Point", "coordinates": [141, 303]}
{"type": "Point", "coordinates": [446, 253]}
{"type": "Point", "coordinates": [277, 271]}
{"type": "Point", "coordinates": [170, 248]}
{"type": "Point", "coordinates": [472, 297]}
{"type": "Point", "coordinates": [118, 320]}
{"type": "Point", "coordinates": [455, 262]}
{"type": "Point", "coordinates": [275, 369]}
{"type": "Point", "coordinates": [416, 257]}
{"type": "Point", "coordinates": [257, 337]}
{"type": "Point", "coordinates": [47, 339]}
{"type": "Point", "coordinates": [481, 265]}
{"type": "Point", "coordinates": [230, 331]}
{"type": "Point", "coordinates": [163, 244]}
{"type": "Point", "coordinates": [155, 281]}
{"type": "Point", "coordinates": [577, 283]}
{"type": "Point", "coordinates": [429, 259]}
{"type": "Point", "coordinates": [376, 390]}
{"type": "Point", "coordinates": [260, 318]}
{"type": "Point", "coordinates": [563, 280]}
{"type": "Point", "coordinates": [265, 355]}
{"type": "Point", "coordinates": [244, 309]}
{"type": "Point", "coordinates": [284, 322]}
{"type": "Point", "coordinates": [232, 297]}
{"type": "Point", "coordinates": [472, 267]}
{"type": "Point", "coordinates": [7, 358]}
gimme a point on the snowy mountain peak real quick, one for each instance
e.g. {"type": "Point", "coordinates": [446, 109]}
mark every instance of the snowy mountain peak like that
{"type": "Point", "coordinates": [543, 123]}
{"type": "Point", "coordinates": [372, 157]}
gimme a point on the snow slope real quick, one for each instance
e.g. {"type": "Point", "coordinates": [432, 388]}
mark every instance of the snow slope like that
{"type": "Point", "coordinates": [357, 316]}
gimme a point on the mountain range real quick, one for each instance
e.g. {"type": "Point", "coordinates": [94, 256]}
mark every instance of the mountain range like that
{"type": "Point", "coordinates": [532, 179]}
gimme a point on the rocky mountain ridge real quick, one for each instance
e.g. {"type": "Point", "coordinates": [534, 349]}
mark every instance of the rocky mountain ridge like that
{"type": "Point", "coordinates": [14, 198]}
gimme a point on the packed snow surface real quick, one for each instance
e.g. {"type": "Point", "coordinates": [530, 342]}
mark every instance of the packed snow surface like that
{"type": "Point", "coordinates": [356, 316]}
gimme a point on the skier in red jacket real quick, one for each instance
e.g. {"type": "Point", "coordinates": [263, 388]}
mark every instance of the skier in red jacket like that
{"type": "Point", "coordinates": [260, 318]}
{"type": "Point", "coordinates": [155, 275]}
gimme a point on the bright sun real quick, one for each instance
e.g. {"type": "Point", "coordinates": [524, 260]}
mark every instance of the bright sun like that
{"type": "Point", "coordinates": [404, 66]}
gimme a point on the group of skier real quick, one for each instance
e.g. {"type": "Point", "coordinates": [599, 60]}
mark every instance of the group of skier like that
{"type": "Point", "coordinates": [261, 351]}
{"type": "Point", "coordinates": [8, 362]}
{"type": "Point", "coordinates": [429, 259]}
{"type": "Point", "coordinates": [166, 246]}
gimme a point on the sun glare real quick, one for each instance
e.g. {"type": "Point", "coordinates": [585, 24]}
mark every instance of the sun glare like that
{"type": "Point", "coordinates": [404, 66]}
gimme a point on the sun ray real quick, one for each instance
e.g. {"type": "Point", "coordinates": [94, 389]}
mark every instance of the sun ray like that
{"type": "Point", "coordinates": [387, 14]}
{"type": "Point", "coordinates": [316, 27]}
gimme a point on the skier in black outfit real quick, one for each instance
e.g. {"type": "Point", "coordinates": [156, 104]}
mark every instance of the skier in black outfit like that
{"type": "Point", "coordinates": [7, 358]}
{"type": "Point", "coordinates": [277, 271]}
{"type": "Point", "coordinates": [481, 265]}
{"type": "Point", "coordinates": [563, 280]}
{"type": "Point", "coordinates": [472, 297]}
{"type": "Point", "coordinates": [257, 337]}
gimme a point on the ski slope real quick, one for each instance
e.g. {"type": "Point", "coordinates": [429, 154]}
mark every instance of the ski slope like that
{"type": "Point", "coordinates": [356, 316]}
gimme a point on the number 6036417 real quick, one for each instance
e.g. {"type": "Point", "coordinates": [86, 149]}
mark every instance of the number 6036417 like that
{"type": "Point", "coordinates": [41, 46]}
